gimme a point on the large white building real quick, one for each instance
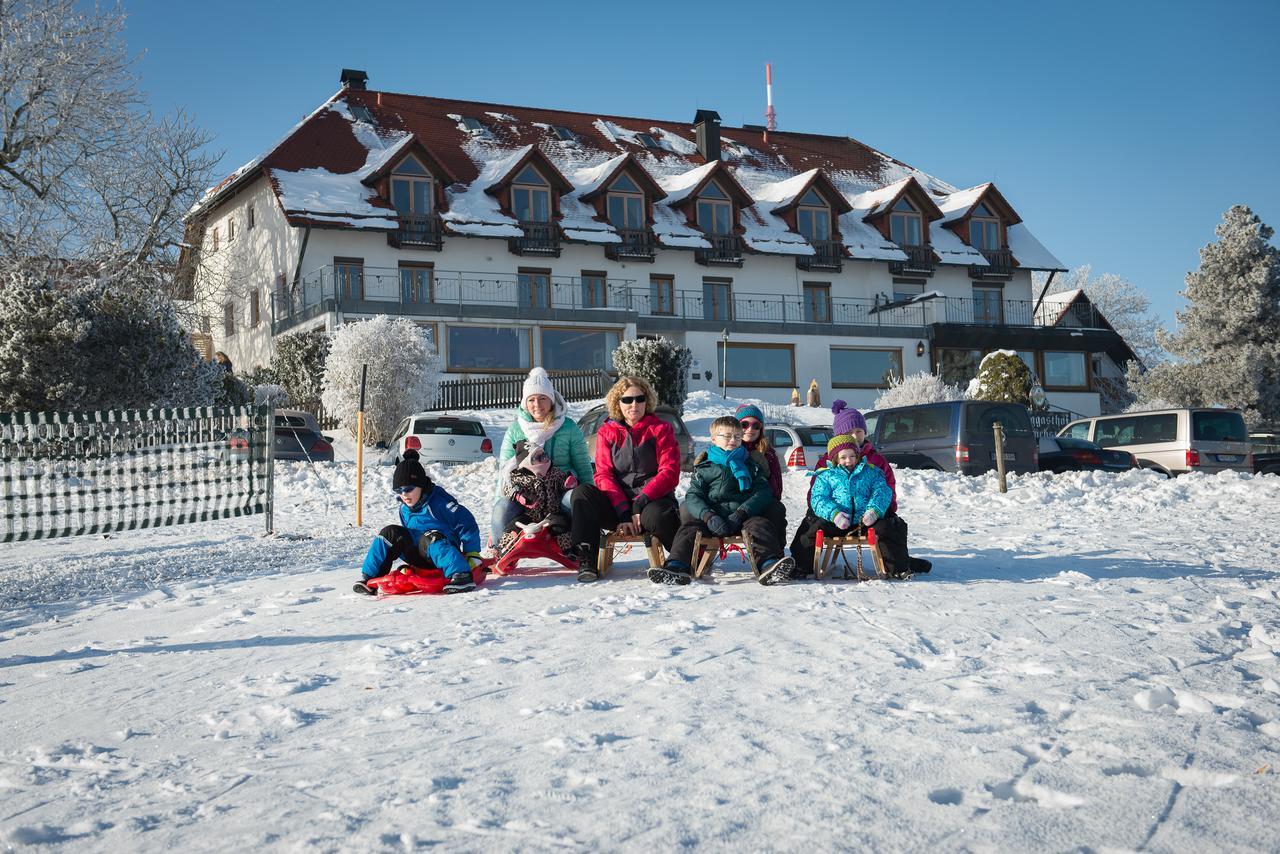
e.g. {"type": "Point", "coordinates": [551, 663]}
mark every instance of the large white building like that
{"type": "Point", "coordinates": [526, 236]}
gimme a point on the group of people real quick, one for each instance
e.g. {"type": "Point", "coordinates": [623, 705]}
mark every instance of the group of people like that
{"type": "Point", "coordinates": [546, 480]}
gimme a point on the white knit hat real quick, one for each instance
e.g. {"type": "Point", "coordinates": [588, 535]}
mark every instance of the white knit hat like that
{"type": "Point", "coordinates": [539, 383]}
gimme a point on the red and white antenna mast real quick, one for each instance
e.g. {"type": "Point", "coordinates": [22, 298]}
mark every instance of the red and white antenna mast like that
{"type": "Point", "coordinates": [770, 117]}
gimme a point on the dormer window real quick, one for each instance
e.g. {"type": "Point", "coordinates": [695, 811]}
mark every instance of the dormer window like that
{"type": "Point", "coordinates": [813, 218]}
{"type": "Point", "coordinates": [473, 124]}
{"type": "Point", "coordinates": [531, 196]}
{"type": "Point", "coordinates": [906, 224]}
{"type": "Point", "coordinates": [626, 204]}
{"type": "Point", "coordinates": [715, 213]}
{"type": "Point", "coordinates": [411, 188]}
{"type": "Point", "coordinates": [984, 229]}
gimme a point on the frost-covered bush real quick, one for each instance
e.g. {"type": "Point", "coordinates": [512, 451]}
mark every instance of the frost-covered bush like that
{"type": "Point", "coordinates": [1002, 378]}
{"type": "Point", "coordinates": [661, 361]}
{"type": "Point", "coordinates": [299, 363]}
{"type": "Point", "coordinates": [916, 389]}
{"type": "Point", "coordinates": [403, 377]}
{"type": "Point", "coordinates": [270, 395]}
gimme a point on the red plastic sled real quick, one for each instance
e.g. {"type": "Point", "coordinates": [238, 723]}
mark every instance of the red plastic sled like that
{"type": "Point", "coordinates": [407, 580]}
{"type": "Point", "coordinates": [532, 546]}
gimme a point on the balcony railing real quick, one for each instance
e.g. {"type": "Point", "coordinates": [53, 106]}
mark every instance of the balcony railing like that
{"type": "Point", "coordinates": [999, 265]}
{"type": "Point", "coordinates": [726, 251]}
{"type": "Point", "coordinates": [919, 261]}
{"type": "Point", "coordinates": [984, 312]}
{"type": "Point", "coordinates": [540, 238]}
{"type": "Point", "coordinates": [637, 244]}
{"type": "Point", "coordinates": [418, 232]}
{"type": "Point", "coordinates": [827, 255]}
{"type": "Point", "coordinates": [1076, 316]}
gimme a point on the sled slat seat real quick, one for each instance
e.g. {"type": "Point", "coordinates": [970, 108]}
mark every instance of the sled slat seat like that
{"type": "Point", "coordinates": [704, 551]}
{"type": "Point", "coordinates": [827, 549]}
{"type": "Point", "coordinates": [613, 539]}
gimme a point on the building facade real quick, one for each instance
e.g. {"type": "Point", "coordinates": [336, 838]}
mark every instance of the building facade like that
{"type": "Point", "coordinates": [523, 236]}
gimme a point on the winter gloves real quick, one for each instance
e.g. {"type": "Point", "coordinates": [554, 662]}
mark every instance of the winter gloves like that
{"type": "Point", "coordinates": [842, 521]}
{"type": "Point", "coordinates": [570, 482]}
{"type": "Point", "coordinates": [717, 525]}
{"type": "Point", "coordinates": [869, 518]}
{"type": "Point", "coordinates": [736, 518]}
{"type": "Point", "coordinates": [474, 559]}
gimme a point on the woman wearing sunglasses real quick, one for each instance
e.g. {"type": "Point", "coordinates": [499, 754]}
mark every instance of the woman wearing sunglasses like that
{"type": "Point", "coordinates": [637, 469]}
{"type": "Point", "coordinates": [752, 421]}
{"type": "Point", "coordinates": [540, 421]}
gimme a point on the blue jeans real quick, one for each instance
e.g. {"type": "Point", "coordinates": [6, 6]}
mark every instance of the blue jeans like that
{"type": "Point", "coordinates": [503, 515]}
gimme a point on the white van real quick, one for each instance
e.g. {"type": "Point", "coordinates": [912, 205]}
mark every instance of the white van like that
{"type": "Point", "coordinates": [1173, 441]}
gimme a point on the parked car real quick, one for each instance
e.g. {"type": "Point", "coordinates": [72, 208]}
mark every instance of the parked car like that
{"type": "Point", "coordinates": [1173, 441]}
{"type": "Point", "coordinates": [1266, 451]}
{"type": "Point", "coordinates": [439, 439]}
{"type": "Point", "coordinates": [297, 418]}
{"type": "Point", "coordinates": [1062, 453]}
{"type": "Point", "coordinates": [591, 421]}
{"type": "Point", "coordinates": [301, 444]}
{"type": "Point", "coordinates": [955, 436]}
{"type": "Point", "coordinates": [798, 445]}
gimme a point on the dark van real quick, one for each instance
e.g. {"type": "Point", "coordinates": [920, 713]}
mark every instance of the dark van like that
{"type": "Point", "coordinates": [956, 436]}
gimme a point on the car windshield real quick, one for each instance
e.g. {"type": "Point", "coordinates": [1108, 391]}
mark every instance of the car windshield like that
{"type": "Point", "coordinates": [446, 427]}
{"type": "Point", "coordinates": [814, 435]}
{"type": "Point", "coordinates": [1222, 426]}
{"type": "Point", "coordinates": [981, 418]}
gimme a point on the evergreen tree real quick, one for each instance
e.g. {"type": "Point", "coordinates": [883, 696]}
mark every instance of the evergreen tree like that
{"type": "Point", "coordinates": [1002, 378]}
{"type": "Point", "coordinates": [661, 361]}
{"type": "Point", "coordinates": [299, 363]}
{"type": "Point", "coordinates": [1228, 341]}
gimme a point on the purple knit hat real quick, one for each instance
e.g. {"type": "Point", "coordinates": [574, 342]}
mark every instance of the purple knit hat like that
{"type": "Point", "coordinates": [847, 420]}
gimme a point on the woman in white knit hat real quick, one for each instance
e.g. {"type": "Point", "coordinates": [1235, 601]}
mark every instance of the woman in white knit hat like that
{"type": "Point", "coordinates": [541, 420]}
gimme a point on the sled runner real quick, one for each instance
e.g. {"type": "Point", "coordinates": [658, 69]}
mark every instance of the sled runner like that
{"type": "Point", "coordinates": [703, 552]}
{"type": "Point", "coordinates": [826, 551]}
{"type": "Point", "coordinates": [613, 539]}
{"type": "Point", "coordinates": [534, 544]}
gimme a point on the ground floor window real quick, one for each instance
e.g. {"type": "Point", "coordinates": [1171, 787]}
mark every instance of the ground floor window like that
{"type": "Point", "coordinates": [854, 367]}
{"type": "Point", "coordinates": [566, 349]}
{"type": "Point", "coordinates": [770, 365]}
{"type": "Point", "coordinates": [958, 366]}
{"type": "Point", "coordinates": [1065, 370]}
{"type": "Point", "coordinates": [489, 348]}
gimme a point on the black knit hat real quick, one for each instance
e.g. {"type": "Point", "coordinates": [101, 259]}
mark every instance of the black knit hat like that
{"type": "Point", "coordinates": [410, 472]}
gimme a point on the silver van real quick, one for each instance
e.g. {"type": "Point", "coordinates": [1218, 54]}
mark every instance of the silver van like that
{"type": "Point", "coordinates": [955, 436]}
{"type": "Point", "coordinates": [1173, 441]}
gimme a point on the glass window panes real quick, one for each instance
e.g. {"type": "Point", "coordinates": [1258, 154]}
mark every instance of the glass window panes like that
{"type": "Point", "coordinates": [415, 284]}
{"type": "Point", "coordinates": [534, 289]}
{"type": "Point", "coordinates": [812, 198]}
{"type": "Point", "coordinates": [1064, 369]}
{"type": "Point", "coordinates": [472, 123]}
{"type": "Point", "coordinates": [1219, 426]}
{"type": "Point", "coordinates": [593, 292]}
{"type": "Point", "coordinates": [904, 206]}
{"type": "Point", "coordinates": [904, 229]}
{"type": "Point", "coordinates": [625, 185]}
{"type": "Point", "coordinates": [350, 279]}
{"type": "Point", "coordinates": [488, 348]}
{"type": "Point", "coordinates": [981, 210]}
{"type": "Point", "coordinates": [1079, 430]}
{"type": "Point", "coordinates": [530, 205]}
{"type": "Point", "coordinates": [661, 295]}
{"type": "Point", "coordinates": [626, 211]}
{"type": "Point", "coordinates": [753, 364]}
{"type": "Point", "coordinates": [903, 291]}
{"type": "Point", "coordinates": [717, 301]}
{"type": "Point", "coordinates": [714, 217]}
{"type": "Point", "coordinates": [778, 438]}
{"type": "Point", "coordinates": [817, 303]}
{"type": "Point", "coordinates": [1136, 430]}
{"type": "Point", "coordinates": [814, 223]}
{"type": "Point", "coordinates": [529, 175]}
{"type": "Point", "coordinates": [563, 133]}
{"type": "Point", "coordinates": [864, 367]}
{"type": "Point", "coordinates": [712, 191]}
{"type": "Point", "coordinates": [958, 366]}
{"type": "Point", "coordinates": [578, 349]}
{"type": "Point", "coordinates": [984, 233]}
{"type": "Point", "coordinates": [1029, 359]}
{"type": "Point", "coordinates": [915, 422]}
{"type": "Point", "coordinates": [988, 306]}
{"type": "Point", "coordinates": [646, 140]}
{"type": "Point", "coordinates": [410, 195]}
{"type": "Point", "coordinates": [410, 166]}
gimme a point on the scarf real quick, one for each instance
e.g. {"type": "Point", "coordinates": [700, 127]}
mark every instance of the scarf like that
{"type": "Point", "coordinates": [538, 434]}
{"type": "Point", "coordinates": [735, 461]}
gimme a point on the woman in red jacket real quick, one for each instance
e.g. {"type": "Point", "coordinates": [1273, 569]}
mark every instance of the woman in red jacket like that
{"type": "Point", "coordinates": [637, 469]}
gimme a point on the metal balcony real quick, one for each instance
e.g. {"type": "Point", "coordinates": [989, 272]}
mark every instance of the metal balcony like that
{"type": "Point", "coordinates": [637, 244]}
{"type": "Point", "coordinates": [919, 261]}
{"type": "Point", "coordinates": [999, 265]}
{"type": "Point", "coordinates": [725, 251]}
{"type": "Point", "coordinates": [540, 238]}
{"type": "Point", "coordinates": [418, 232]}
{"type": "Point", "coordinates": [828, 255]}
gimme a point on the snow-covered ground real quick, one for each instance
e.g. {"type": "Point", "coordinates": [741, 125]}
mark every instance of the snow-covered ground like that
{"type": "Point", "coordinates": [1092, 665]}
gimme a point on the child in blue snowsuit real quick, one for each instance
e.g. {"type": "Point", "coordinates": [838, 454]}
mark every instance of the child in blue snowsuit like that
{"type": "Point", "coordinates": [435, 532]}
{"type": "Point", "coordinates": [848, 491]}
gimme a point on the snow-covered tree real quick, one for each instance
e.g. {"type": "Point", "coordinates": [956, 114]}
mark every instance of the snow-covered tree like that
{"type": "Point", "coordinates": [1228, 340]}
{"type": "Point", "coordinates": [299, 364]}
{"type": "Point", "coordinates": [1003, 378]}
{"type": "Point", "coordinates": [1121, 302]}
{"type": "Point", "coordinates": [915, 389]}
{"type": "Point", "coordinates": [661, 361]}
{"type": "Point", "coordinates": [403, 374]}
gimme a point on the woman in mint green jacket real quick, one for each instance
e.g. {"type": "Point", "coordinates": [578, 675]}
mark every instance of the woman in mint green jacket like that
{"type": "Point", "coordinates": [541, 420]}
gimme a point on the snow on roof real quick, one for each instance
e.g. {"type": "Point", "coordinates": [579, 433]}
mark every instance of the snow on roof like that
{"type": "Point", "coordinates": [875, 202]}
{"type": "Point", "coordinates": [473, 211]}
{"type": "Point", "coordinates": [1030, 252]}
{"type": "Point", "coordinates": [781, 194]}
{"type": "Point", "coordinates": [958, 204]}
{"type": "Point", "coordinates": [679, 185]}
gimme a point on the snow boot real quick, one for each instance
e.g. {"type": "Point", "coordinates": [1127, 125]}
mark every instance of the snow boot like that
{"type": "Point", "coordinates": [587, 571]}
{"type": "Point", "coordinates": [362, 586]}
{"type": "Point", "coordinates": [670, 573]}
{"type": "Point", "coordinates": [777, 570]}
{"type": "Point", "coordinates": [460, 583]}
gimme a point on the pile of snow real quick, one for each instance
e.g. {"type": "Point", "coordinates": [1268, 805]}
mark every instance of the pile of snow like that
{"type": "Point", "coordinates": [1093, 663]}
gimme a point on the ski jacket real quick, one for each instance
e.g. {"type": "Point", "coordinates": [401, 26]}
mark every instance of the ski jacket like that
{"type": "Point", "coordinates": [713, 489]}
{"type": "Point", "coordinates": [630, 460]}
{"type": "Point", "coordinates": [871, 455]}
{"type": "Point", "coordinates": [437, 510]}
{"type": "Point", "coordinates": [768, 462]}
{"type": "Point", "coordinates": [836, 490]}
{"type": "Point", "coordinates": [567, 448]}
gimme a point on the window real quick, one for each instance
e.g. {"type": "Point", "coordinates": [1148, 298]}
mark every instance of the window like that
{"type": "Point", "coordinates": [348, 275]}
{"type": "Point", "coordinates": [229, 319]}
{"type": "Point", "coordinates": [472, 123]}
{"type": "Point", "coordinates": [231, 229]}
{"type": "Point", "coordinates": [858, 368]}
{"type": "Point", "coordinates": [980, 418]}
{"type": "Point", "coordinates": [531, 196]}
{"type": "Point", "coordinates": [489, 348]}
{"type": "Point", "coordinates": [594, 293]}
{"type": "Point", "coordinates": [778, 439]}
{"type": "Point", "coordinates": [1065, 370]}
{"type": "Point", "coordinates": [647, 140]}
{"type": "Point", "coordinates": [250, 219]}
{"type": "Point", "coordinates": [717, 299]}
{"type": "Point", "coordinates": [563, 133]}
{"type": "Point", "coordinates": [1028, 358]}
{"type": "Point", "coordinates": [988, 306]}
{"type": "Point", "coordinates": [715, 214]}
{"type": "Point", "coordinates": [282, 291]}
{"type": "Point", "coordinates": [417, 282]}
{"type": "Point", "coordinates": [215, 238]}
{"type": "Point", "coordinates": [206, 324]}
{"type": "Point", "coordinates": [626, 204]}
{"type": "Point", "coordinates": [361, 113]}
{"type": "Point", "coordinates": [984, 229]}
{"type": "Point", "coordinates": [1220, 426]}
{"type": "Point", "coordinates": [411, 188]}
{"type": "Point", "coordinates": [813, 218]}
{"type": "Point", "coordinates": [958, 366]}
{"type": "Point", "coordinates": [905, 224]}
{"type": "Point", "coordinates": [534, 288]}
{"type": "Point", "coordinates": [817, 302]}
{"type": "Point", "coordinates": [904, 290]}
{"type": "Point", "coordinates": [916, 422]}
{"type": "Point", "coordinates": [1136, 430]}
{"type": "Point", "coordinates": [255, 314]}
{"type": "Point", "coordinates": [662, 295]}
{"type": "Point", "coordinates": [1078, 430]}
{"type": "Point", "coordinates": [579, 349]}
{"type": "Point", "coordinates": [769, 365]}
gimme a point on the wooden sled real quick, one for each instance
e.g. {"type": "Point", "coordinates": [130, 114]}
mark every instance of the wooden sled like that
{"type": "Point", "coordinates": [702, 554]}
{"type": "Point", "coordinates": [613, 539]}
{"type": "Point", "coordinates": [826, 551]}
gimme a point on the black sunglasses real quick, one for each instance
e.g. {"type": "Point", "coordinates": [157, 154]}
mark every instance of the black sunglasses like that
{"type": "Point", "coordinates": [639, 398]}
{"type": "Point", "coordinates": [403, 490]}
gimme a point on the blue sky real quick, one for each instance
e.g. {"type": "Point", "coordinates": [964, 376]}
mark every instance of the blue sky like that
{"type": "Point", "coordinates": [1120, 131]}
